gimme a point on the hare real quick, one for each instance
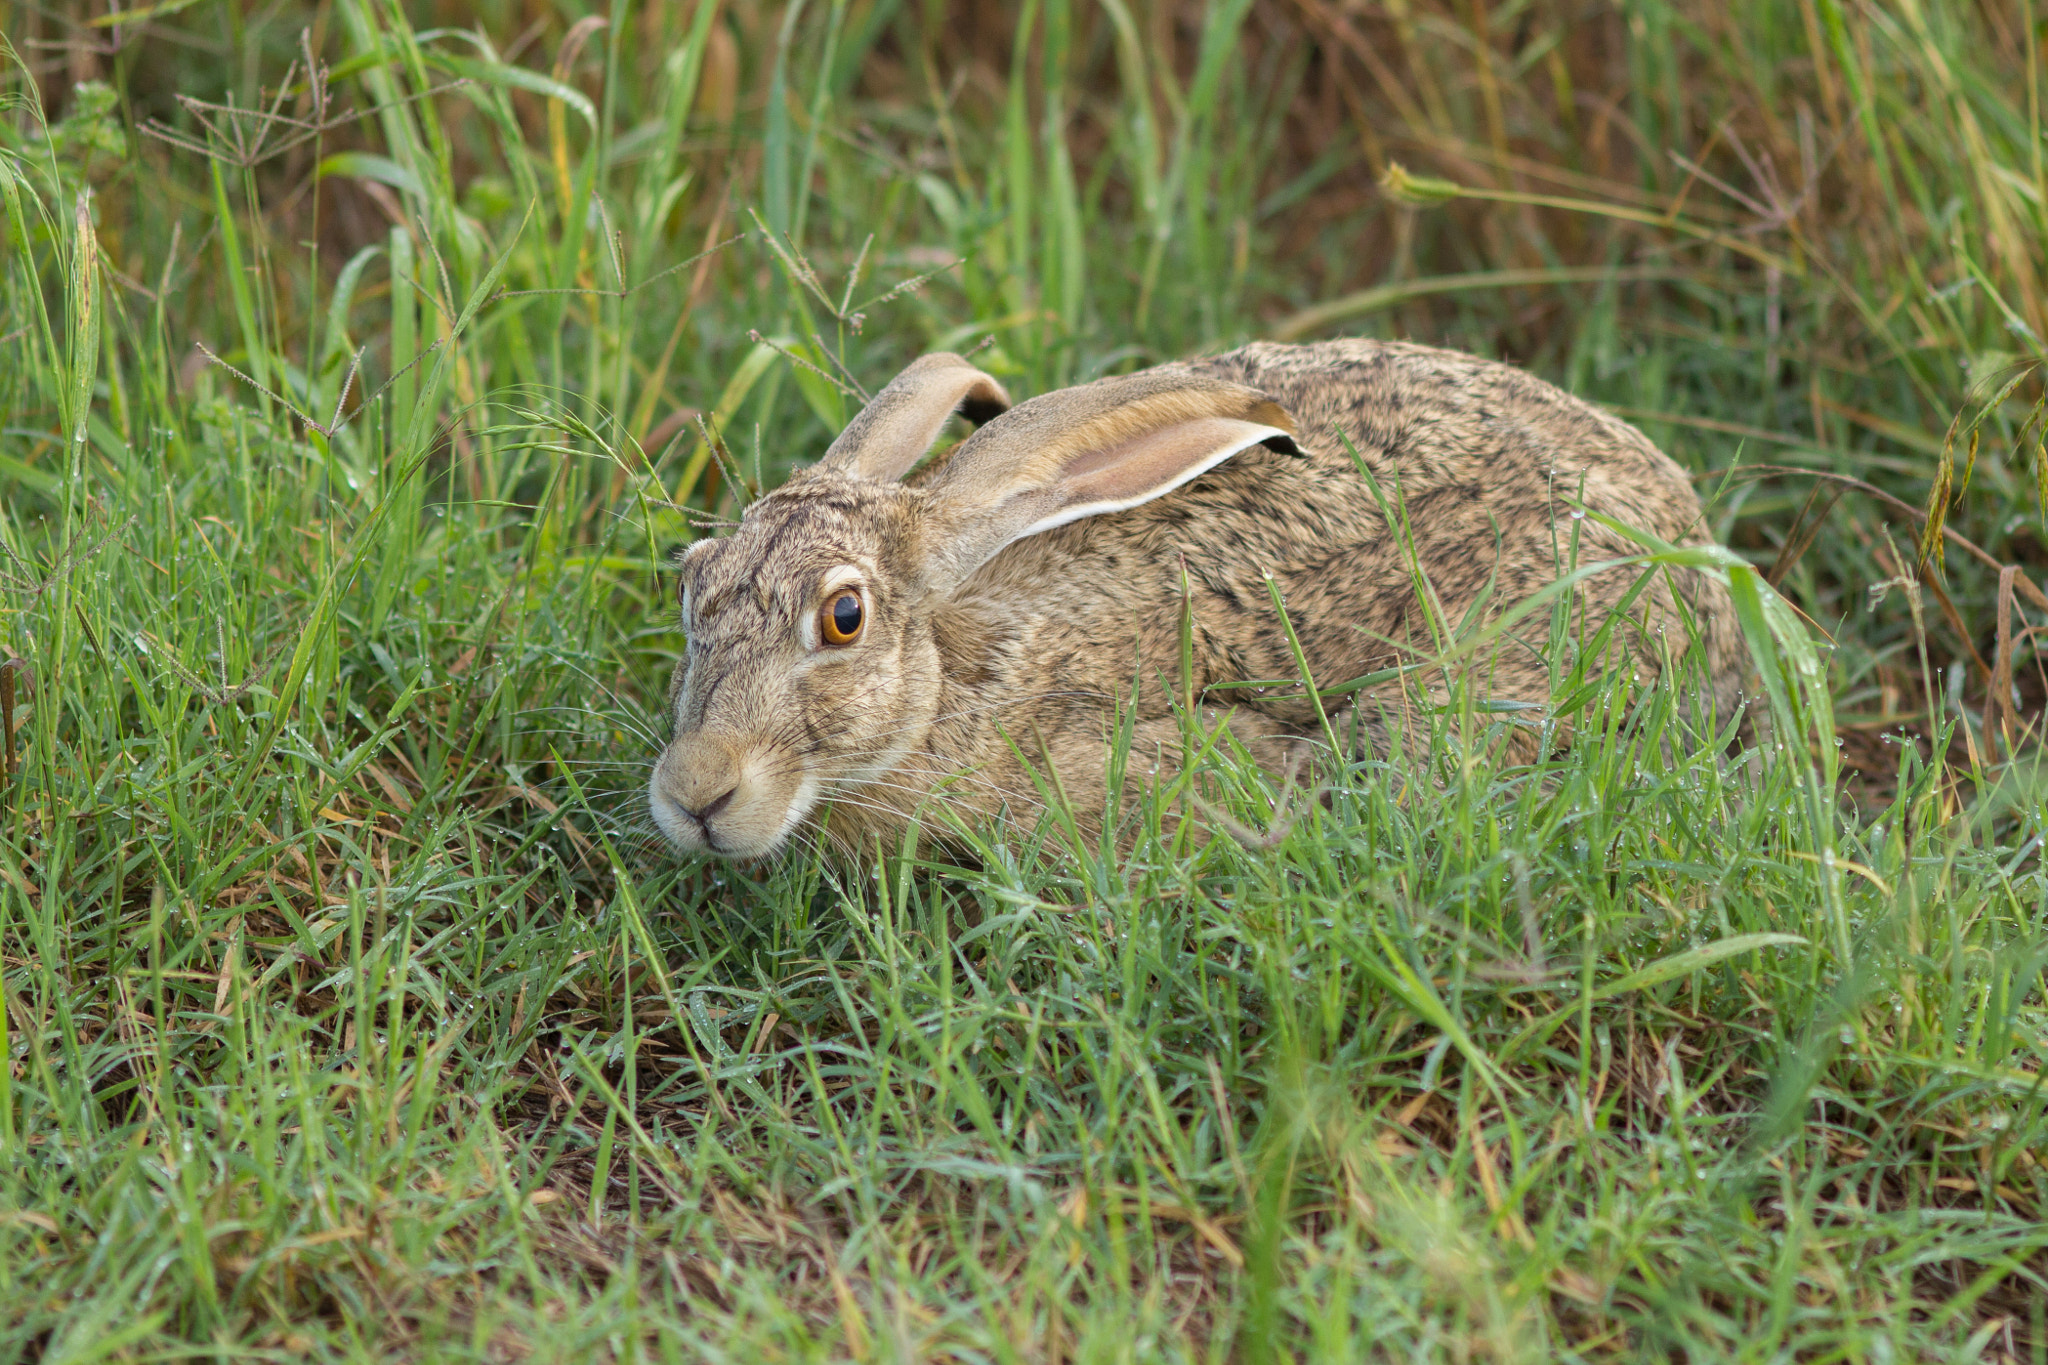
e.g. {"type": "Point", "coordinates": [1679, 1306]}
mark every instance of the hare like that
{"type": "Point", "coordinates": [871, 641]}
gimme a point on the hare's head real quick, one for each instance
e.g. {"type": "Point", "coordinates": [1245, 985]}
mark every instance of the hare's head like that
{"type": "Point", "coordinates": [813, 670]}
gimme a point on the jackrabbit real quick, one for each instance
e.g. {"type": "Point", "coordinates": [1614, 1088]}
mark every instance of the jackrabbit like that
{"type": "Point", "coordinates": [871, 641]}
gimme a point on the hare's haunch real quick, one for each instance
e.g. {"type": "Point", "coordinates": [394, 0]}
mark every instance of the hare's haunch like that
{"type": "Point", "coordinates": [869, 645]}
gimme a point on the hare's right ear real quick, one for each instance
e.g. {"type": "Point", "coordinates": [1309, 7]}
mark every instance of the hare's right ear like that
{"type": "Point", "coordinates": [1081, 452]}
{"type": "Point", "coordinates": [898, 426]}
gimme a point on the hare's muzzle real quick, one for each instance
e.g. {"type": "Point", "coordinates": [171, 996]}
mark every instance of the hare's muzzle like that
{"type": "Point", "coordinates": [710, 794]}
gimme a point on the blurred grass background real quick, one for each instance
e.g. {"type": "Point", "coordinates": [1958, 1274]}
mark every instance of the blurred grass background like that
{"type": "Point", "coordinates": [360, 362]}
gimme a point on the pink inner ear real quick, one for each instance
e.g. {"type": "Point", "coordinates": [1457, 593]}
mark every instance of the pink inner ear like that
{"type": "Point", "coordinates": [1148, 465]}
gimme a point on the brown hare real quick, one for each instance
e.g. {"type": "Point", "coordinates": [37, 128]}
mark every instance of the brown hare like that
{"type": "Point", "coordinates": [871, 642]}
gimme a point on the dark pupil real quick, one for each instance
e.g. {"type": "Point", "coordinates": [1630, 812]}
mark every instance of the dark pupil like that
{"type": "Point", "coordinates": [846, 614]}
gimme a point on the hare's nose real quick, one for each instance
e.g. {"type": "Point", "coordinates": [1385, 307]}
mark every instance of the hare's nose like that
{"type": "Point", "coordinates": [702, 815]}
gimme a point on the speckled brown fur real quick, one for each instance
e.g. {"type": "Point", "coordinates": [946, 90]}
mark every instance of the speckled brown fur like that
{"type": "Point", "coordinates": [969, 661]}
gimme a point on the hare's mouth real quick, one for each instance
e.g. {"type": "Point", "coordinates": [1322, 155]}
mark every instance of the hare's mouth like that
{"type": "Point", "coordinates": [716, 794]}
{"type": "Point", "coordinates": [736, 810]}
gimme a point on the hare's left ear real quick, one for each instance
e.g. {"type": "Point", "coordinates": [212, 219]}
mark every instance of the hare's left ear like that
{"type": "Point", "coordinates": [1084, 451]}
{"type": "Point", "coordinates": [899, 424]}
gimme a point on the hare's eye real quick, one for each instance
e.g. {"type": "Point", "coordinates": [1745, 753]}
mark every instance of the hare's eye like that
{"type": "Point", "coordinates": [841, 618]}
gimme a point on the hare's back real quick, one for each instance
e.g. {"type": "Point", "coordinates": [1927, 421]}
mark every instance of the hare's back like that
{"type": "Point", "coordinates": [1433, 421]}
{"type": "Point", "coordinates": [1486, 463]}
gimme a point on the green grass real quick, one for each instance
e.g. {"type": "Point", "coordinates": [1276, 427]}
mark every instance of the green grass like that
{"type": "Point", "coordinates": [350, 1009]}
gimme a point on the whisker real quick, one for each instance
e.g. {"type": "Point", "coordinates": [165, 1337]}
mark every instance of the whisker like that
{"type": "Point", "coordinates": [624, 719]}
{"type": "Point", "coordinates": [960, 712]}
{"type": "Point", "coordinates": [942, 779]}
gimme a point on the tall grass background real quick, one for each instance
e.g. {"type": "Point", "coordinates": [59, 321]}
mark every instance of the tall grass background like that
{"type": "Point", "coordinates": [361, 363]}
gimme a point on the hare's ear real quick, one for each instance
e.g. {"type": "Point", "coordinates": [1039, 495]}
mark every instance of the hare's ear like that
{"type": "Point", "coordinates": [1080, 452]}
{"type": "Point", "coordinates": [893, 431]}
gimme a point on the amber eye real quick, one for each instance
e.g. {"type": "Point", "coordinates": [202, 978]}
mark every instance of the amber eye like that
{"type": "Point", "coordinates": [841, 618]}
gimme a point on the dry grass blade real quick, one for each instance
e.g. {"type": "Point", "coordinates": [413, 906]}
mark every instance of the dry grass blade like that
{"type": "Point", "coordinates": [1285, 811]}
{"type": "Point", "coordinates": [1813, 513]}
{"type": "Point", "coordinates": [9, 670]}
{"type": "Point", "coordinates": [2003, 724]}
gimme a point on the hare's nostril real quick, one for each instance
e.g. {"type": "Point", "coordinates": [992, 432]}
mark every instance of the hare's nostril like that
{"type": "Point", "coordinates": [718, 804]}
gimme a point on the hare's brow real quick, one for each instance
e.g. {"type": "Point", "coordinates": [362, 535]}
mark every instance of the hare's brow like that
{"type": "Point", "coordinates": [717, 599]}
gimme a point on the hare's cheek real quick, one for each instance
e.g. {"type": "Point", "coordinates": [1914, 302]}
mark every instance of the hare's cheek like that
{"type": "Point", "coordinates": [678, 680]}
{"type": "Point", "coordinates": [802, 800]}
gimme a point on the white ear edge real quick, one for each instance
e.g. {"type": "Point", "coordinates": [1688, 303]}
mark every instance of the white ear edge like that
{"type": "Point", "coordinates": [1080, 511]}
